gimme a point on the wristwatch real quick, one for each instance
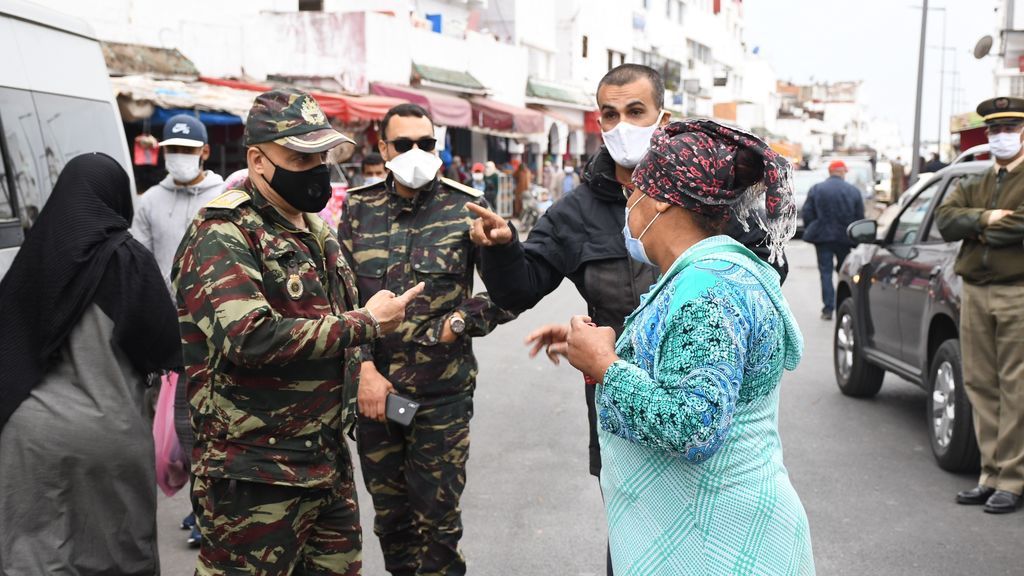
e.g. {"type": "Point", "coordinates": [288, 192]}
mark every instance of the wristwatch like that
{"type": "Point", "coordinates": [457, 324]}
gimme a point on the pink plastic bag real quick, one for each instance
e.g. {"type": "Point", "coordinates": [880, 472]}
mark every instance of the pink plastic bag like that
{"type": "Point", "coordinates": [171, 469]}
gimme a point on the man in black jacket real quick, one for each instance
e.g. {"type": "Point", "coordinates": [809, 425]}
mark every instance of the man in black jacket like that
{"type": "Point", "coordinates": [580, 236]}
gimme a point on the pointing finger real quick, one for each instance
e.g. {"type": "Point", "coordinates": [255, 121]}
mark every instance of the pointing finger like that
{"type": "Point", "coordinates": [485, 214]}
{"type": "Point", "coordinates": [411, 293]}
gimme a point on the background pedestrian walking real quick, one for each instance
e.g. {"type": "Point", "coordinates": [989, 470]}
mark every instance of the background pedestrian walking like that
{"type": "Point", "coordinates": [830, 207]}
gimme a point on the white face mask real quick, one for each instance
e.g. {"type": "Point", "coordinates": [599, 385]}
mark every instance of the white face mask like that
{"type": "Point", "coordinates": [183, 168]}
{"type": "Point", "coordinates": [1004, 145]}
{"type": "Point", "coordinates": [478, 176]}
{"type": "Point", "coordinates": [371, 180]}
{"type": "Point", "coordinates": [628, 143]}
{"type": "Point", "coordinates": [415, 168]}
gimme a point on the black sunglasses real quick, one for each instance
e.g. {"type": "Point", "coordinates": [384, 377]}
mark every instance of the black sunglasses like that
{"type": "Point", "coordinates": [403, 145]}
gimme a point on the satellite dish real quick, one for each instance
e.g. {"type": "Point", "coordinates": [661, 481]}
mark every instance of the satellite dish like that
{"type": "Point", "coordinates": [983, 47]}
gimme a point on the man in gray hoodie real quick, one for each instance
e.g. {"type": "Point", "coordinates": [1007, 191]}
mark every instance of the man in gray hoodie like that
{"type": "Point", "coordinates": [163, 215]}
{"type": "Point", "coordinates": [165, 211]}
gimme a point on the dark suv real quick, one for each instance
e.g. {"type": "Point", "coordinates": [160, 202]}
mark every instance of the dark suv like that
{"type": "Point", "coordinates": [898, 310]}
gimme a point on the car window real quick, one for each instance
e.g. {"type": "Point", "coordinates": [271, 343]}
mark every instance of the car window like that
{"type": "Point", "coordinates": [72, 126]}
{"type": "Point", "coordinates": [933, 230]}
{"type": "Point", "coordinates": [908, 226]}
{"type": "Point", "coordinates": [23, 147]}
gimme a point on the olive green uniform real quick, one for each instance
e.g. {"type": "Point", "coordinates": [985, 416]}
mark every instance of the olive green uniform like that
{"type": "Point", "coordinates": [991, 262]}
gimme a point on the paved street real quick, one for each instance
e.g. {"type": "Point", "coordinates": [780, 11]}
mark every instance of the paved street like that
{"type": "Point", "coordinates": [877, 502]}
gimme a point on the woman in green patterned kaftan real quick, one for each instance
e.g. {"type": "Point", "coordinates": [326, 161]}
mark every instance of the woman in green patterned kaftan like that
{"type": "Point", "coordinates": [692, 470]}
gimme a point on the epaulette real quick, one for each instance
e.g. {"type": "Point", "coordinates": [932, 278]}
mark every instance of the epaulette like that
{"type": "Point", "coordinates": [229, 200]}
{"type": "Point", "coordinates": [462, 187]}
{"type": "Point", "coordinates": [366, 188]}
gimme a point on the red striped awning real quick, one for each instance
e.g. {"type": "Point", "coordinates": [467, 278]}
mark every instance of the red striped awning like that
{"type": "Point", "coordinates": [343, 107]}
{"type": "Point", "coordinates": [494, 115]}
{"type": "Point", "coordinates": [445, 110]}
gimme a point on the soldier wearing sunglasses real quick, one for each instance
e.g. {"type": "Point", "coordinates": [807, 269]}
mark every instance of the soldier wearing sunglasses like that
{"type": "Point", "coordinates": [413, 228]}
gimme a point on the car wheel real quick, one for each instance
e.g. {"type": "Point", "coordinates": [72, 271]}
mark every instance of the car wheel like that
{"type": "Point", "coordinates": [950, 422]}
{"type": "Point", "coordinates": [855, 375]}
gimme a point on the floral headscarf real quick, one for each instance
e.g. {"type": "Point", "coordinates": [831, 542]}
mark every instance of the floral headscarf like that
{"type": "Point", "coordinates": [691, 164]}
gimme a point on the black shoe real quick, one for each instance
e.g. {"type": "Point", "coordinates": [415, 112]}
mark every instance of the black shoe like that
{"type": "Point", "coordinates": [975, 496]}
{"type": "Point", "coordinates": [1003, 502]}
{"type": "Point", "coordinates": [827, 315]}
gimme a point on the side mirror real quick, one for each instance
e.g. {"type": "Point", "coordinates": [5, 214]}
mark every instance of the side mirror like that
{"type": "Point", "coordinates": [863, 232]}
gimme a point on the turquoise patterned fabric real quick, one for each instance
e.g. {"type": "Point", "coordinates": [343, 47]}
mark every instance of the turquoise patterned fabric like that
{"type": "Point", "coordinates": [692, 466]}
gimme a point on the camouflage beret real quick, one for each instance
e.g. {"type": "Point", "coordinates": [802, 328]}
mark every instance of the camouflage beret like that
{"type": "Point", "coordinates": [293, 119]}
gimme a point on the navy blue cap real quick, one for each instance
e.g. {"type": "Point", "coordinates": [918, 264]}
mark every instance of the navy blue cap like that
{"type": "Point", "coordinates": [184, 130]}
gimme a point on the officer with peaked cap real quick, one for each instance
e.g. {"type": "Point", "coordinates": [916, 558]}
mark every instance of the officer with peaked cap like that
{"type": "Point", "coordinates": [986, 213]}
{"type": "Point", "coordinates": [272, 332]}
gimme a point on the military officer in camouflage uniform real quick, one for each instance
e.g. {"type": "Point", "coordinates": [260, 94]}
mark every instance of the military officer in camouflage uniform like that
{"type": "Point", "coordinates": [411, 228]}
{"type": "Point", "coordinates": [272, 330]}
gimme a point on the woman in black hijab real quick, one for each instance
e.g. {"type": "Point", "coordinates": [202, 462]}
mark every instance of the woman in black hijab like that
{"type": "Point", "coordinates": [86, 318]}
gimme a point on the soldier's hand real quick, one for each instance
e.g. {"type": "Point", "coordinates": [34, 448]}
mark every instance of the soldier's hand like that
{"type": "Point", "coordinates": [389, 310]}
{"type": "Point", "coordinates": [552, 338]}
{"type": "Point", "coordinates": [373, 392]}
{"type": "Point", "coordinates": [488, 229]}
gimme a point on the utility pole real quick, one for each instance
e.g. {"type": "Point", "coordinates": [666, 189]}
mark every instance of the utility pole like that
{"type": "Point", "coordinates": [942, 83]}
{"type": "Point", "coordinates": [916, 151]}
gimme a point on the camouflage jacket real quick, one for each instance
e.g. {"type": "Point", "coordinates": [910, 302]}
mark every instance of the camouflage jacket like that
{"type": "Point", "coordinates": [394, 243]}
{"type": "Point", "coordinates": [272, 342]}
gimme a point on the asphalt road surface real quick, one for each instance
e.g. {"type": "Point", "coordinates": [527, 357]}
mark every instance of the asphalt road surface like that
{"type": "Point", "coordinates": [876, 501]}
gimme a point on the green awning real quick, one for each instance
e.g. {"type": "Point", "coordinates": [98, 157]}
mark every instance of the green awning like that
{"type": "Point", "coordinates": [550, 91]}
{"type": "Point", "coordinates": [453, 78]}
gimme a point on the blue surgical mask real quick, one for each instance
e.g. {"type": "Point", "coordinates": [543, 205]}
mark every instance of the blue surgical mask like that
{"type": "Point", "coordinates": [634, 246]}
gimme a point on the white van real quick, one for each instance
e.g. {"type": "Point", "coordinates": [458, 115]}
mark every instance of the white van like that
{"type": "Point", "coordinates": [55, 103]}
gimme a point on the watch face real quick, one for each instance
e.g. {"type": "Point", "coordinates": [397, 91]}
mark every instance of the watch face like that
{"type": "Point", "coordinates": [457, 324]}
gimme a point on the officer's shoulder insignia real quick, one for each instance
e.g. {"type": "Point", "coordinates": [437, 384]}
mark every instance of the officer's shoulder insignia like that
{"type": "Point", "coordinates": [366, 188]}
{"type": "Point", "coordinates": [462, 187]}
{"type": "Point", "coordinates": [229, 200]}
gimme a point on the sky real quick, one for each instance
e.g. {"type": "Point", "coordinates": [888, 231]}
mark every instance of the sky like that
{"type": "Point", "coordinates": [877, 41]}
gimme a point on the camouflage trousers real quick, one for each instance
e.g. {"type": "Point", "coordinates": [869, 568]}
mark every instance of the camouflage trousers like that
{"type": "Point", "coordinates": [415, 476]}
{"type": "Point", "coordinates": [264, 529]}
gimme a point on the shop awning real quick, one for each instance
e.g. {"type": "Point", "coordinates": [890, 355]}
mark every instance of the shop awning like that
{"type": "Point", "coordinates": [370, 107]}
{"type": "Point", "coordinates": [343, 107]}
{"type": "Point", "coordinates": [446, 79]}
{"type": "Point", "coordinates": [592, 122]}
{"type": "Point", "coordinates": [162, 115]}
{"type": "Point", "coordinates": [493, 115]}
{"type": "Point", "coordinates": [139, 97]}
{"type": "Point", "coordinates": [573, 119]}
{"type": "Point", "coordinates": [446, 110]}
{"type": "Point", "coordinates": [132, 59]}
{"type": "Point", "coordinates": [551, 93]}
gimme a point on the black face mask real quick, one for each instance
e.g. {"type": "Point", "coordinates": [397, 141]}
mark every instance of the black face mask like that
{"type": "Point", "coordinates": [306, 191]}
